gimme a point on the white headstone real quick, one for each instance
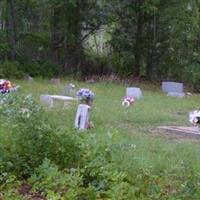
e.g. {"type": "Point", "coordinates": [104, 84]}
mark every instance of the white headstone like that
{"type": "Point", "coordinates": [82, 117]}
{"type": "Point", "coordinates": [172, 87]}
{"type": "Point", "coordinates": [46, 99]}
{"type": "Point", "coordinates": [134, 92]}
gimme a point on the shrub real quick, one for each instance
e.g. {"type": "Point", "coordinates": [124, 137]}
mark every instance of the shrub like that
{"type": "Point", "coordinates": [192, 75]}
{"type": "Point", "coordinates": [30, 137]}
{"type": "Point", "coordinates": [45, 70]}
{"type": "Point", "coordinates": [56, 184]}
{"type": "Point", "coordinates": [10, 69]}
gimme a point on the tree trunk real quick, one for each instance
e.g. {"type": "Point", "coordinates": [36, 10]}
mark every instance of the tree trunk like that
{"type": "Point", "coordinates": [56, 38]}
{"type": "Point", "coordinates": [11, 28]}
{"type": "Point", "coordinates": [138, 41]}
{"type": "Point", "coordinates": [151, 48]}
{"type": "Point", "coordinates": [72, 42]}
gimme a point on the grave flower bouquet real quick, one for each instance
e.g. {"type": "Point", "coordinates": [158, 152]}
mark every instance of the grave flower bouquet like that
{"type": "Point", "coordinates": [194, 117]}
{"type": "Point", "coordinates": [6, 86]}
{"type": "Point", "coordinates": [127, 101]}
{"type": "Point", "coordinates": [85, 96]}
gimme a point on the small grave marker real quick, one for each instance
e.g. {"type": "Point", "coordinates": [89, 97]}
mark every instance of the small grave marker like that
{"type": "Point", "coordinates": [70, 90]}
{"type": "Point", "coordinates": [28, 78]}
{"type": "Point", "coordinates": [134, 92]}
{"type": "Point", "coordinates": [55, 81]}
{"type": "Point", "coordinates": [46, 99]}
{"type": "Point", "coordinates": [82, 117]}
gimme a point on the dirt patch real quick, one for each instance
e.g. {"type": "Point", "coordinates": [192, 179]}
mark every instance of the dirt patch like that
{"type": "Point", "coordinates": [25, 191]}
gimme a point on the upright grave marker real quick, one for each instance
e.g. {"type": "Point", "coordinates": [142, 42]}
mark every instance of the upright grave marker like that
{"type": "Point", "coordinates": [86, 98]}
{"type": "Point", "coordinates": [46, 99]}
{"type": "Point", "coordinates": [134, 92]}
{"type": "Point", "coordinates": [82, 117]}
{"type": "Point", "coordinates": [55, 81]}
{"type": "Point", "coordinates": [173, 88]}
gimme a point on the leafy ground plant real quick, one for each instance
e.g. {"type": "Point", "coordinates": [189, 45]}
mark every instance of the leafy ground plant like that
{"type": "Point", "coordinates": [30, 137]}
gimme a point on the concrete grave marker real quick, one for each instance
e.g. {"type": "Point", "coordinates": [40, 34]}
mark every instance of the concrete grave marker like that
{"type": "Point", "coordinates": [173, 89]}
{"type": "Point", "coordinates": [49, 99]}
{"type": "Point", "coordinates": [82, 117]}
{"type": "Point", "coordinates": [55, 81]}
{"type": "Point", "coordinates": [134, 92]}
{"type": "Point", "coordinates": [28, 78]}
{"type": "Point", "coordinates": [46, 99]}
{"type": "Point", "coordinates": [70, 90]}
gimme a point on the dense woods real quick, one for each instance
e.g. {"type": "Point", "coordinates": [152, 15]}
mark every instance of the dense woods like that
{"type": "Point", "coordinates": [155, 39]}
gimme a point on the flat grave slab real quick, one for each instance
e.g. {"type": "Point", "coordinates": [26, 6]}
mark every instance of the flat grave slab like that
{"type": "Point", "coordinates": [176, 94]}
{"type": "Point", "coordinates": [186, 131]}
{"type": "Point", "coordinates": [49, 99]}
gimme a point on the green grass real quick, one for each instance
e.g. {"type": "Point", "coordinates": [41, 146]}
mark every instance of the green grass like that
{"type": "Point", "coordinates": [107, 114]}
{"type": "Point", "coordinates": [132, 125]}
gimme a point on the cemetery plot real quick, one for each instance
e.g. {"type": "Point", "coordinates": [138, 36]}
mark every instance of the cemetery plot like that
{"type": "Point", "coordinates": [191, 132]}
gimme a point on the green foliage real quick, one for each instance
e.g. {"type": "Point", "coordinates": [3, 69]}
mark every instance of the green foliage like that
{"type": "Point", "coordinates": [122, 63]}
{"type": "Point", "coordinates": [10, 69]}
{"type": "Point", "coordinates": [31, 137]}
{"type": "Point", "coordinates": [118, 159]}
{"type": "Point", "coordinates": [46, 69]}
{"type": "Point", "coordinates": [97, 64]}
{"type": "Point", "coordinates": [8, 182]}
{"type": "Point", "coordinates": [55, 183]}
{"type": "Point", "coordinates": [15, 69]}
{"type": "Point", "coordinates": [192, 75]}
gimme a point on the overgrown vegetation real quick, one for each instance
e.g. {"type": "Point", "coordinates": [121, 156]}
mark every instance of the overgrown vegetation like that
{"type": "Point", "coordinates": [118, 159]}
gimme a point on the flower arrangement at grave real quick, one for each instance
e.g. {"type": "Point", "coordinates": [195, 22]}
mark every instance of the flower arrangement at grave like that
{"type": "Point", "coordinates": [6, 86]}
{"type": "Point", "coordinates": [127, 101]}
{"type": "Point", "coordinates": [85, 96]}
{"type": "Point", "coordinates": [194, 117]}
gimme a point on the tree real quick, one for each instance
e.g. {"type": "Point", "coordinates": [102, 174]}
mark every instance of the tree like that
{"type": "Point", "coordinates": [11, 28]}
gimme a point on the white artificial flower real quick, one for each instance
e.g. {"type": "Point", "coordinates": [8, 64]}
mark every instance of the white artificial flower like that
{"type": "Point", "coordinates": [194, 117]}
{"type": "Point", "coordinates": [125, 103]}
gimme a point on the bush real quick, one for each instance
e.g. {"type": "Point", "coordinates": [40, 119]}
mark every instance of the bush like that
{"type": "Point", "coordinates": [30, 137]}
{"type": "Point", "coordinates": [55, 183]}
{"type": "Point", "coordinates": [96, 64]}
{"type": "Point", "coordinates": [10, 69]}
{"type": "Point", "coordinates": [45, 70]}
{"type": "Point", "coordinates": [192, 75]}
